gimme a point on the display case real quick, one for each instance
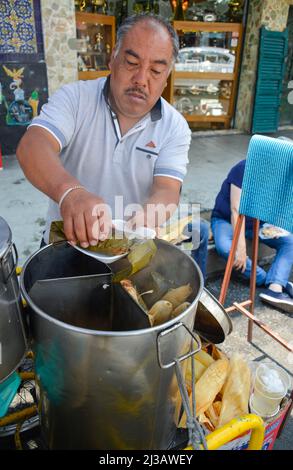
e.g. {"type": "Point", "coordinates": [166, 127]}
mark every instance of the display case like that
{"type": "Point", "coordinates": [95, 41]}
{"type": "Point", "coordinates": [203, 83]}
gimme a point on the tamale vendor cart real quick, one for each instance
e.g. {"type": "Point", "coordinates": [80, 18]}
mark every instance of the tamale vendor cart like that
{"type": "Point", "coordinates": [120, 383]}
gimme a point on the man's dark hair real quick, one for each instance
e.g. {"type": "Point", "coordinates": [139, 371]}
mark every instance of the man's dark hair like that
{"type": "Point", "coordinates": [131, 21]}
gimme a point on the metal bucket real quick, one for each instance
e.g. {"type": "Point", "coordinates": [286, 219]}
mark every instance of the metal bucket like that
{"type": "Point", "coordinates": [13, 342]}
{"type": "Point", "coordinates": [106, 388]}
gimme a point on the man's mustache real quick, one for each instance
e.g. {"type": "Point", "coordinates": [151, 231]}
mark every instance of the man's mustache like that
{"type": "Point", "coordinates": [139, 91]}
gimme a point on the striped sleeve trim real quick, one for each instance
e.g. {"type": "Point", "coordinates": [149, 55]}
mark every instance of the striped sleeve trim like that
{"type": "Point", "coordinates": [170, 173]}
{"type": "Point", "coordinates": [52, 129]}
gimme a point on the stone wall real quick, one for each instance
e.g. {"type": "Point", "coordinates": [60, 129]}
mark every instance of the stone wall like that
{"type": "Point", "coordinates": [270, 13]}
{"type": "Point", "coordinates": [59, 31]}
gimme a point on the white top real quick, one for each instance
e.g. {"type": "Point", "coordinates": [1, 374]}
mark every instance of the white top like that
{"type": "Point", "coordinates": [107, 164]}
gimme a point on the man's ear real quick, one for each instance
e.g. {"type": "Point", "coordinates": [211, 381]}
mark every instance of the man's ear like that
{"type": "Point", "coordinates": [112, 58]}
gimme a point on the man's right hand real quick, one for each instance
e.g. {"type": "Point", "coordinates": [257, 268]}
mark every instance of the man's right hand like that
{"type": "Point", "coordinates": [86, 218]}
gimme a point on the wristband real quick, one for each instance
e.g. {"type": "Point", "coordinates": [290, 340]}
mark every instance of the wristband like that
{"type": "Point", "coordinates": [66, 193]}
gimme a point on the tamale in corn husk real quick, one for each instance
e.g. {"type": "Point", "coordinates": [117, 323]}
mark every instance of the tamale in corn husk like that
{"type": "Point", "coordinates": [178, 296]}
{"type": "Point", "coordinates": [208, 386]}
{"type": "Point", "coordinates": [114, 245]}
{"type": "Point", "coordinates": [172, 232]}
{"type": "Point", "coordinates": [180, 309]}
{"type": "Point", "coordinates": [198, 371]}
{"type": "Point", "coordinates": [160, 312]}
{"type": "Point", "coordinates": [132, 291]}
{"type": "Point", "coordinates": [140, 255]}
{"type": "Point", "coordinates": [236, 390]}
{"type": "Point", "coordinates": [213, 413]}
{"type": "Point", "coordinates": [204, 358]}
{"type": "Point", "coordinates": [140, 251]}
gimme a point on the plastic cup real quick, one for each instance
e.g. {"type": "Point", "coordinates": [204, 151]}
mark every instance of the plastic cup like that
{"type": "Point", "coordinates": [270, 386]}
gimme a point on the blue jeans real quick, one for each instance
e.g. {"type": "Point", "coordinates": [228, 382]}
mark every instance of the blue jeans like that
{"type": "Point", "coordinates": [199, 232]}
{"type": "Point", "coordinates": [280, 269]}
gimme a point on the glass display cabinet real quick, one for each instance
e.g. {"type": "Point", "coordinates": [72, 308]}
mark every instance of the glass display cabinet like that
{"type": "Point", "coordinates": [95, 40]}
{"type": "Point", "coordinates": [203, 83]}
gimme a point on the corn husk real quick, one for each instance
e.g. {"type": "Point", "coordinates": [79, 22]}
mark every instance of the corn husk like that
{"type": "Point", "coordinates": [209, 384]}
{"type": "Point", "coordinates": [180, 309]}
{"type": "Point", "coordinates": [198, 371]}
{"type": "Point", "coordinates": [207, 387]}
{"type": "Point", "coordinates": [217, 354]}
{"type": "Point", "coordinates": [140, 251]}
{"type": "Point", "coordinates": [204, 420]}
{"type": "Point", "coordinates": [160, 312]}
{"type": "Point", "coordinates": [213, 413]}
{"type": "Point", "coordinates": [178, 296]}
{"type": "Point", "coordinates": [173, 231]}
{"type": "Point", "coordinates": [204, 358]}
{"type": "Point", "coordinates": [217, 407]}
{"type": "Point", "coordinates": [139, 257]}
{"type": "Point", "coordinates": [112, 246]}
{"type": "Point", "coordinates": [236, 390]}
{"type": "Point", "coordinates": [132, 291]}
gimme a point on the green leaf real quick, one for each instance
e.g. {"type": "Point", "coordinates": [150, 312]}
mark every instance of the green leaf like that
{"type": "Point", "coordinates": [111, 246]}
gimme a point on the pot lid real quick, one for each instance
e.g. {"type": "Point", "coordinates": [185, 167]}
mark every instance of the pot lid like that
{"type": "Point", "coordinates": [5, 236]}
{"type": "Point", "coordinates": [212, 322]}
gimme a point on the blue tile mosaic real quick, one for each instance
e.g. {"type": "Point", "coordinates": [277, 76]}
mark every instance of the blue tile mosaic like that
{"type": "Point", "coordinates": [21, 36]}
{"type": "Point", "coordinates": [17, 27]}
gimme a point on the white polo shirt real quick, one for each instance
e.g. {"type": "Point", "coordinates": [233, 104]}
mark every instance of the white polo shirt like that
{"type": "Point", "coordinates": [107, 164]}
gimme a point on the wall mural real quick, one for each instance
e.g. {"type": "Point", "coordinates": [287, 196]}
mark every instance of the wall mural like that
{"type": "Point", "coordinates": [23, 90]}
{"type": "Point", "coordinates": [17, 27]}
{"type": "Point", "coordinates": [23, 74]}
{"type": "Point", "coordinates": [19, 111]}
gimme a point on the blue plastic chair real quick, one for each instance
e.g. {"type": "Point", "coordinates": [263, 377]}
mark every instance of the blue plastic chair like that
{"type": "Point", "coordinates": [267, 194]}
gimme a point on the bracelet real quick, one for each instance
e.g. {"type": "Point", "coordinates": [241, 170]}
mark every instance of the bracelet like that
{"type": "Point", "coordinates": [67, 192]}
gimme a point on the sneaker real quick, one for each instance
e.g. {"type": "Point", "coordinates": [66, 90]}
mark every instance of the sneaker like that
{"type": "Point", "coordinates": [289, 289]}
{"type": "Point", "coordinates": [280, 300]}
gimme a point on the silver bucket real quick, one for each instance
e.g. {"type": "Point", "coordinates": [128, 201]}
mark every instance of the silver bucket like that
{"type": "Point", "coordinates": [104, 387]}
{"type": "Point", "coordinates": [13, 342]}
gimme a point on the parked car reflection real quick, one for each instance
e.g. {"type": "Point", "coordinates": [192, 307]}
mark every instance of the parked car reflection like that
{"type": "Point", "coordinates": [205, 59]}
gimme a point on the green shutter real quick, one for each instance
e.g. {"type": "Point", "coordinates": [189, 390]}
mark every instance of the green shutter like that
{"type": "Point", "coordinates": [273, 50]}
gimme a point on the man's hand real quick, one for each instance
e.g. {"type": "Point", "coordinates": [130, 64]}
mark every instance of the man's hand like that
{"type": "Point", "coordinates": [161, 204]}
{"type": "Point", "coordinates": [86, 218]}
{"type": "Point", "coordinates": [240, 259]}
{"type": "Point", "coordinates": [141, 219]}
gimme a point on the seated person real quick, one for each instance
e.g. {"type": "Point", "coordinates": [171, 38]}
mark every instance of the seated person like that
{"type": "Point", "coordinates": [199, 231]}
{"type": "Point", "coordinates": [278, 292]}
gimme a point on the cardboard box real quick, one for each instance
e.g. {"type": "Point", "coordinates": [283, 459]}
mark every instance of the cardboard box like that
{"type": "Point", "coordinates": [271, 432]}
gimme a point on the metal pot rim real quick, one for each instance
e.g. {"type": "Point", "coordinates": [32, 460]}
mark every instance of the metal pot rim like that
{"type": "Point", "coordinates": [6, 240]}
{"type": "Point", "coordinates": [88, 331]}
{"type": "Point", "coordinates": [217, 312]}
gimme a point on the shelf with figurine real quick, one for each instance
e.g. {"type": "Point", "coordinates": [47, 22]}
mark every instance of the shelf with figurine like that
{"type": "Point", "coordinates": [95, 34]}
{"type": "Point", "coordinates": [205, 75]}
{"type": "Point", "coordinates": [204, 100]}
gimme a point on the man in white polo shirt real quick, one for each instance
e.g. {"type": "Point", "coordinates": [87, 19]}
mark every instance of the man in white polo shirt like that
{"type": "Point", "coordinates": [101, 139]}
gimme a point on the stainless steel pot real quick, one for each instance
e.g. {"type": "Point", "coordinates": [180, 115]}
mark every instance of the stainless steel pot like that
{"type": "Point", "coordinates": [114, 388]}
{"type": "Point", "coordinates": [212, 322]}
{"type": "Point", "coordinates": [13, 343]}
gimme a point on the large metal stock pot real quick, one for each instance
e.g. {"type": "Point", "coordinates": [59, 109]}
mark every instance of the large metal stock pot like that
{"type": "Point", "coordinates": [113, 386]}
{"type": "Point", "coordinates": [12, 327]}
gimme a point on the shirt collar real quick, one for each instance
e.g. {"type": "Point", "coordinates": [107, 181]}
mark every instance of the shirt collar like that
{"type": "Point", "coordinates": [156, 111]}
